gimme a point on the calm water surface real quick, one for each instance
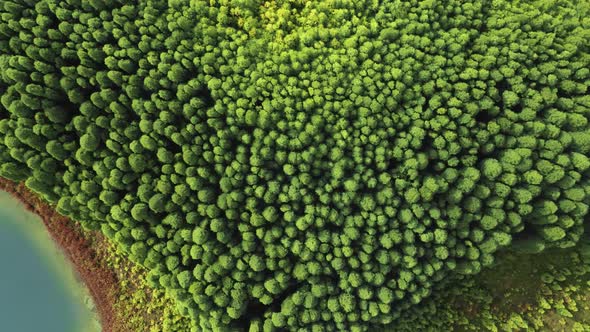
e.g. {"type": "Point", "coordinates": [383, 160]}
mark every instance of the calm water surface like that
{"type": "Point", "coordinates": [38, 289]}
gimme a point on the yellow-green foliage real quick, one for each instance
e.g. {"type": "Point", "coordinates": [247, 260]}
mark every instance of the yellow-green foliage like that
{"type": "Point", "coordinates": [140, 307]}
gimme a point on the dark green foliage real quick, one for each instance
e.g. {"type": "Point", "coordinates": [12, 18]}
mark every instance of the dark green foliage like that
{"type": "Point", "coordinates": [316, 165]}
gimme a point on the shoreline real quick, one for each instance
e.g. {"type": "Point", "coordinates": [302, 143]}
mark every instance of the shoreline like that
{"type": "Point", "coordinates": [28, 224]}
{"type": "Point", "coordinates": [94, 273]}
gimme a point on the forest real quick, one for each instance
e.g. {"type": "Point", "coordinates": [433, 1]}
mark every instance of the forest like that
{"type": "Point", "coordinates": [333, 165]}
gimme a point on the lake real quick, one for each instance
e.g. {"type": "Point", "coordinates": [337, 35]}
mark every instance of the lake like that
{"type": "Point", "coordinates": [39, 291]}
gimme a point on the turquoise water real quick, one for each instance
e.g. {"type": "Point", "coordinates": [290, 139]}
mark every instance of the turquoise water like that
{"type": "Point", "coordinates": [38, 290]}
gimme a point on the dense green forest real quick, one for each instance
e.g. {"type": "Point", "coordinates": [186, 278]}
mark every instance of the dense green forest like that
{"type": "Point", "coordinates": [295, 165]}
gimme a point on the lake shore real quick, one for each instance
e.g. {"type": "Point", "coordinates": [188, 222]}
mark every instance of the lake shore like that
{"type": "Point", "coordinates": [41, 274]}
{"type": "Point", "coordinates": [122, 299]}
{"type": "Point", "coordinates": [92, 269]}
